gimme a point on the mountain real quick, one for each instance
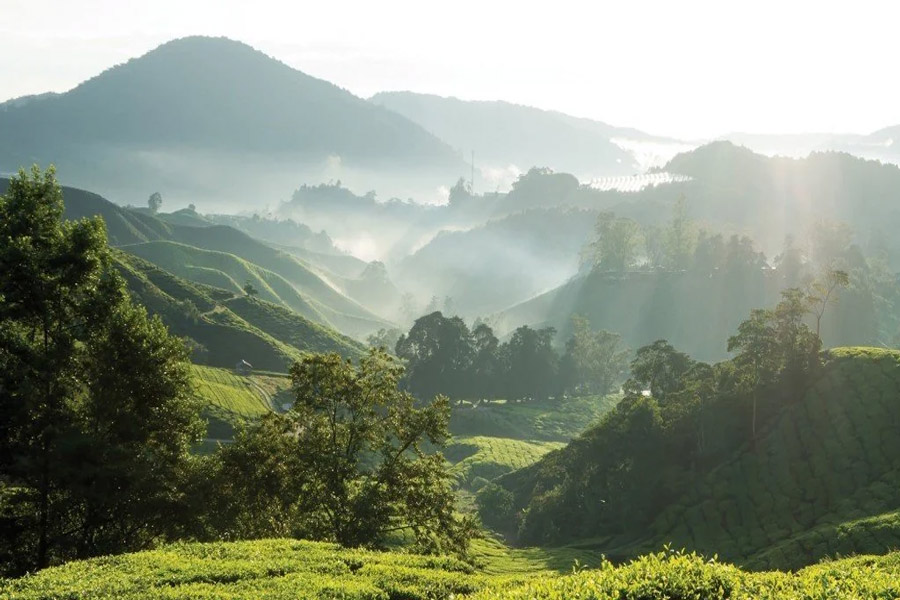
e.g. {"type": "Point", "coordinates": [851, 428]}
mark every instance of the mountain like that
{"type": "Point", "coordinates": [202, 103]}
{"type": "Point", "coordinates": [775, 196]}
{"type": "Point", "coordinates": [882, 145]}
{"type": "Point", "coordinates": [820, 479]}
{"type": "Point", "coordinates": [503, 135]}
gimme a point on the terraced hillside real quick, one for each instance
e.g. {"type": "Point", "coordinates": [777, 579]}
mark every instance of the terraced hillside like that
{"type": "Point", "coordinates": [271, 569]}
{"type": "Point", "coordinates": [231, 399]}
{"type": "Point", "coordinates": [549, 421]}
{"type": "Point", "coordinates": [203, 252]}
{"type": "Point", "coordinates": [823, 480]}
{"type": "Point", "coordinates": [822, 477]}
{"type": "Point", "coordinates": [123, 226]}
{"type": "Point", "coordinates": [268, 336]}
{"type": "Point", "coordinates": [339, 310]}
{"type": "Point", "coordinates": [226, 271]}
{"type": "Point", "coordinates": [489, 457]}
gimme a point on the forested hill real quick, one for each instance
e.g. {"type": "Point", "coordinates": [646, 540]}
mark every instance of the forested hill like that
{"type": "Point", "coordinates": [196, 117]}
{"type": "Point", "coordinates": [501, 134]}
{"type": "Point", "coordinates": [213, 93]}
{"type": "Point", "coordinates": [820, 478]}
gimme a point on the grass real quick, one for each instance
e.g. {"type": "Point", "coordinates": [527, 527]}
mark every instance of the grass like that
{"type": "Point", "coordinates": [495, 558]}
{"type": "Point", "coordinates": [282, 569]}
{"type": "Point", "coordinates": [490, 457]}
{"type": "Point", "coordinates": [231, 400]}
{"type": "Point", "coordinates": [558, 421]}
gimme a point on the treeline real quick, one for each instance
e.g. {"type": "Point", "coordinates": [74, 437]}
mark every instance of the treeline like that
{"type": "Point", "coordinates": [99, 422]}
{"type": "Point", "coordinates": [444, 356]}
{"type": "Point", "coordinates": [678, 420]}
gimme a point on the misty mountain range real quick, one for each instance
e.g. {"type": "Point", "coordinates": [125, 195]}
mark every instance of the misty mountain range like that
{"type": "Point", "coordinates": [196, 114]}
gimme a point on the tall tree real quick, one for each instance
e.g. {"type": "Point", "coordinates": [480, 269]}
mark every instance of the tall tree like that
{"type": "Point", "coordinates": [594, 361]}
{"type": "Point", "coordinates": [348, 463]}
{"type": "Point", "coordinates": [154, 202]}
{"type": "Point", "coordinates": [680, 237]}
{"type": "Point", "coordinates": [659, 368]}
{"type": "Point", "coordinates": [486, 364]}
{"type": "Point", "coordinates": [615, 248]}
{"type": "Point", "coordinates": [439, 355]}
{"type": "Point", "coordinates": [531, 364]}
{"type": "Point", "coordinates": [757, 347]}
{"type": "Point", "coordinates": [97, 412]}
{"type": "Point", "coordinates": [824, 292]}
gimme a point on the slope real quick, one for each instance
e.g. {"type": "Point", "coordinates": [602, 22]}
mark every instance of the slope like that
{"type": "Point", "coordinates": [230, 400]}
{"type": "Point", "coordinates": [235, 258]}
{"type": "Point", "coordinates": [821, 479]}
{"type": "Point", "coordinates": [694, 310]}
{"type": "Point", "coordinates": [824, 480]}
{"type": "Point", "coordinates": [299, 569]}
{"type": "Point", "coordinates": [223, 270]}
{"type": "Point", "coordinates": [214, 93]}
{"type": "Point", "coordinates": [508, 260]}
{"type": "Point", "coordinates": [123, 226]}
{"type": "Point", "coordinates": [264, 336]}
{"type": "Point", "coordinates": [503, 134]}
{"type": "Point", "coordinates": [344, 313]}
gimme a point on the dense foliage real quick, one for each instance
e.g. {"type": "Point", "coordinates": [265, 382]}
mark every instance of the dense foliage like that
{"type": "Point", "coordinates": [444, 356]}
{"type": "Point", "coordinates": [347, 463]}
{"type": "Point", "coordinates": [675, 575]}
{"type": "Point", "coordinates": [296, 569]}
{"type": "Point", "coordinates": [97, 412]}
{"type": "Point", "coordinates": [694, 444]}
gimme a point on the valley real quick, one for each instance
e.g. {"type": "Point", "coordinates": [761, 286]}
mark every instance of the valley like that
{"type": "Point", "coordinates": [262, 337]}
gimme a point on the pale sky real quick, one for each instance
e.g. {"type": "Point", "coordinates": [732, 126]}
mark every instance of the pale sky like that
{"type": "Point", "coordinates": [685, 68]}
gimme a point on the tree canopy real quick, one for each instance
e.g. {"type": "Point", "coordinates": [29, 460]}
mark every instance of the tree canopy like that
{"type": "Point", "coordinates": [97, 412]}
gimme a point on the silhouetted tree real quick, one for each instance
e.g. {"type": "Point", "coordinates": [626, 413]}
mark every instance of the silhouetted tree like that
{"type": "Point", "coordinates": [154, 202]}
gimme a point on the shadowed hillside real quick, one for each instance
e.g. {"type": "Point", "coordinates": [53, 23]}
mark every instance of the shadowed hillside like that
{"type": "Point", "coordinates": [821, 478]}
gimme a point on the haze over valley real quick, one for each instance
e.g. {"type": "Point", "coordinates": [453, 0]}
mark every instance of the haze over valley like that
{"type": "Point", "coordinates": [421, 323]}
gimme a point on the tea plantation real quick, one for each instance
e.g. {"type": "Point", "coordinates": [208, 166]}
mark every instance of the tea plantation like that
{"type": "Point", "coordinates": [823, 480]}
{"type": "Point", "coordinates": [489, 457]}
{"type": "Point", "coordinates": [231, 399]}
{"type": "Point", "coordinates": [282, 569]}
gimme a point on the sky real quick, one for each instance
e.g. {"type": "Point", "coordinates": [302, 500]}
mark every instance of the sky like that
{"type": "Point", "coordinates": [688, 69]}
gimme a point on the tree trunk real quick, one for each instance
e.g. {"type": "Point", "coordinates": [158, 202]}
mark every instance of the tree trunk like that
{"type": "Point", "coordinates": [753, 423]}
{"type": "Point", "coordinates": [43, 553]}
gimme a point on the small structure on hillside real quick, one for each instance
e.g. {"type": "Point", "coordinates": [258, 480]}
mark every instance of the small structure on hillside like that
{"type": "Point", "coordinates": [243, 367]}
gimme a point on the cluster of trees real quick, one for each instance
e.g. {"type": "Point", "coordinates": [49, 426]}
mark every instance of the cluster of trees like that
{"type": "Point", "coordinates": [679, 418]}
{"type": "Point", "coordinates": [445, 357]}
{"type": "Point", "coordinates": [99, 419]}
{"type": "Point", "coordinates": [348, 463]}
{"type": "Point", "coordinates": [621, 244]}
{"type": "Point", "coordinates": [97, 411]}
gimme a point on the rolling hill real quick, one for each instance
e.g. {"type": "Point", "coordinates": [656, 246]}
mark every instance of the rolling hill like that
{"type": "Point", "coordinates": [820, 480]}
{"type": "Point", "coordinates": [488, 268]}
{"type": "Point", "coordinates": [221, 256]}
{"type": "Point", "coordinates": [504, 135]}
{"type": "Point", "coordinates": [267, 335]}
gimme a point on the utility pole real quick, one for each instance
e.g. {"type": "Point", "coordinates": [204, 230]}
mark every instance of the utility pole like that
{"type": "Point", "coordinates": [472, 179]}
